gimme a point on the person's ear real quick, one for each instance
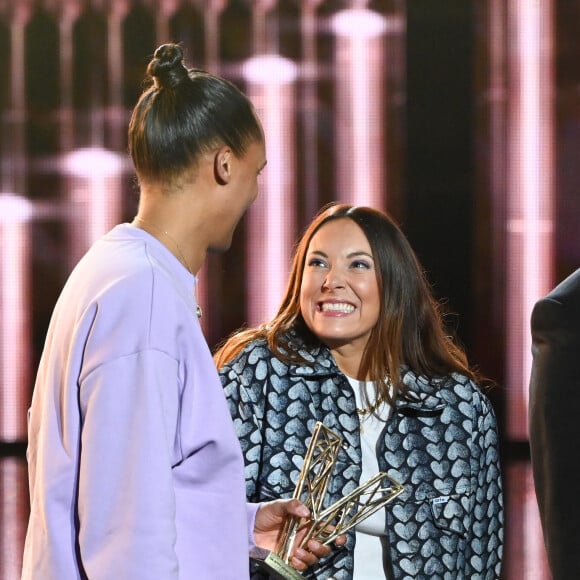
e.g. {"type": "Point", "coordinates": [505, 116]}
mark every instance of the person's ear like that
{"type": "Point", "coordinates": [223, 165]}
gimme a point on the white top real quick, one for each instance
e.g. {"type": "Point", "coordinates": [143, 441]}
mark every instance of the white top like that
{"type": "Point", "coordinates": [368, 555]}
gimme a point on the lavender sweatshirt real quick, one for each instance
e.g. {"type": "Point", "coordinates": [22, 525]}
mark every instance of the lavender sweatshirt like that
{"type": "Point", "coordinates": [135, 470]}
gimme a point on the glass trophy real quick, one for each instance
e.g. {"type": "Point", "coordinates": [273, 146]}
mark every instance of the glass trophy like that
{"type": "Point", "coordinates": [325, 523]}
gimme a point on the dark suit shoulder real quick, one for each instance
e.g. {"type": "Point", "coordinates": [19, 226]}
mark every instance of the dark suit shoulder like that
{"type": "Point", "coordinates": [561, 306]}
{"type": "Point", "coordinates": [555, 319]}
{"type": "Point", "coordinates": [567, 291]}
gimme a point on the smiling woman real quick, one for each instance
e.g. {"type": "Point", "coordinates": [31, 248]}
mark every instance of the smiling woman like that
{"type": "Point", "coordinates": [358, 343]}
{"type": "Point", "coordinates": [339, 296]}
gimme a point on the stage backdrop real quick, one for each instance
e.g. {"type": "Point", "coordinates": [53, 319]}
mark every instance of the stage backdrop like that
{"type": "Point", "coordinates": [459, 117]}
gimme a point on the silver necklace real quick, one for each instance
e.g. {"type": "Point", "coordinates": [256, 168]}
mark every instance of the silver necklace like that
{"type": "Point", "coordinates": [181, 256]}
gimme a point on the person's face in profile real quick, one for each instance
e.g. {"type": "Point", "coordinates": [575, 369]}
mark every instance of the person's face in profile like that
{"type": "Point", "coordinates": [339, 294]}
{"type": "Point", "coordinates": [241, 192]}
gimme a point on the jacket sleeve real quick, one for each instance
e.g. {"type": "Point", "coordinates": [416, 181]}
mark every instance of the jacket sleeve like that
{"type": "Point", "coordinates": [485, 536]}
{"type": "Point", "coordinates": [244, 386]}
{"type": "Point", "coordinates": [554, 412]}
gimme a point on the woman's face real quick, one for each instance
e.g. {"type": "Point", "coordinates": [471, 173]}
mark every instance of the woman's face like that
{"type": "Point", "coordinates": [339, 294]}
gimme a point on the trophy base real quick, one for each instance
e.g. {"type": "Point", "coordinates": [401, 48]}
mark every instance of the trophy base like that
{"type": "Point", "coordinates": [277, 568]}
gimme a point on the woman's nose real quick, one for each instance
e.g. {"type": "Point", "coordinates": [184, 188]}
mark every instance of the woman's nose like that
{"type": "Point", "coordinates": [333, 280]}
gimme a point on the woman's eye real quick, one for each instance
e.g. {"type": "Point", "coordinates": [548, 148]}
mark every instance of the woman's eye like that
{"type": "Point", "coordinates": [316, 263]}
{"type": "Point", "coordinates": [361, 264]}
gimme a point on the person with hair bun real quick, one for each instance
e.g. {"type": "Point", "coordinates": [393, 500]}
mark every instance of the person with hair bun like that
{"type": "Point", "coordinates": [359, 344]}
{"type": "Point", "coordinates": [135, 471]}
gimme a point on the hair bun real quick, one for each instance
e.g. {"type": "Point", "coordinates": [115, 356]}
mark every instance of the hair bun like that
{"type": "Point", "coordinates": [166, 67]}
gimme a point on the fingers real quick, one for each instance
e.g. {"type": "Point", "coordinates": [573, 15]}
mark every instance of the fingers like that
{"type": "Point", "coordinates": [317, 549]}
{"type": "Point", "coordinates": [296, 508]}
{"type": "Point", "coordinates": [340, 540]}
{"type": "Point", "coordinates": [313, 551]}
{"type": "Point", "coordinates": [303, 558]}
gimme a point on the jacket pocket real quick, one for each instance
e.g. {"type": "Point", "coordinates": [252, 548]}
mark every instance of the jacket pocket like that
{"type": "Point", "coordinates": [428, 537]}
{"type": "Point", "coordinates": [449, 513]}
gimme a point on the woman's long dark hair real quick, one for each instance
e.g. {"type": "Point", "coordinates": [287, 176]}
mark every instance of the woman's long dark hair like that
{"type": "Point", "coordinates": [410, 329]}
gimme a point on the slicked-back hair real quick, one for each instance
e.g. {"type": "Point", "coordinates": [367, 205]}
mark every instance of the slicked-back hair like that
{"type": "Point", "coordinates": [185, 113]}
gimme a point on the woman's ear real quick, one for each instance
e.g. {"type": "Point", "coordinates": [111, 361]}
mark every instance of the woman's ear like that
{"type": "Point", "coordinates": [223, 165]}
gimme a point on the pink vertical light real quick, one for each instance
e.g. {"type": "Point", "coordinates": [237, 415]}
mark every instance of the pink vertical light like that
{"type": "Point", "coordinates": [529, 245]}
{"type": "Point", "coordinates": [212, 12]}
{"type": "Point", "coordinates": [15, 335]}
{"type": "Point", "coordinates": [309, 106]}
{"type": "Point", "coordinates": [116, 13]}
{"type": "Point", "coordinates": [525, 557]}
{"type": "Point", "coordinates": [68, 12]}
{"type": "Point", "coordinates": [94, 203]}
{"type": "Point", "coordinates": [13, 515]}
{"type": "Point", "coordinates": [13, 138]}
{"type": "Point", "coordinates": [360, 121]}
{"type": "Point", "coordinates": [530, 192]}
{"type": "Point", "coordinates": [271, 220]}
{"type": "Point", "coordinates": [16, 214]}
{"type": "Point", "coordinates": [166, 9]}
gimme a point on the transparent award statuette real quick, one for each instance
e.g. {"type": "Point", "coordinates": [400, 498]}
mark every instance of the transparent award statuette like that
{"type": "Point", "coordinates": [324, 524]}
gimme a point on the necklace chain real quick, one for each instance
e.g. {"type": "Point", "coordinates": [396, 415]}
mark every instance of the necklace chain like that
{"type": "Point", "coordinates": [367, 410]}
{"type": "Point", "coordinates": [181, 256]}
{"type": "Point", "coordinates": [371, 408]}
{"type": "Point", "coordinates": [380, 400]}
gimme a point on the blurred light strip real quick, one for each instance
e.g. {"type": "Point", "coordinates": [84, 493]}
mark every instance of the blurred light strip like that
{"type": "Point", "coordinates": [67, 17]}
{"type": "Point", "coordinates": [271, 82]}
{"type": "Point", "coordinates": [13, 138]}
{"type": "Point", "coordinates": [360, 124]}
{"type": "Point", "coordinates": [498, 144]}
{"type": "Point", "coordinates": [530, 193]}
{"type": "Point", "coordinates": [529, 251]}
{"type": "Point", "coordinates": [116, 15]}
{"type": "Point", "coordinates": [15, 334]}
{"type": "Point", "coordinates": [95, 188]}
{"type": "Point", "coordinates": [525, 555]}
{"type": "Point", "coordinates": [309, 108]}
{"type": "Point", "coordinates": [13, 515]}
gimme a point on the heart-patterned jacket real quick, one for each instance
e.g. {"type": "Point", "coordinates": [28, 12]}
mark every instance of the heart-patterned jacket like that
{"type": "Point", "coordinates": [440, 443]}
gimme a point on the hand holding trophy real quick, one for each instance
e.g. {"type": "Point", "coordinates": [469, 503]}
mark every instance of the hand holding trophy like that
{"type": "Point", "coordinates": [325, 523]}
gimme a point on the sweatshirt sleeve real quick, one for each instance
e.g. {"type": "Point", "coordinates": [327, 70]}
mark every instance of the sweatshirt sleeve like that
{"type": "Point", "coordinates": [126, 501]}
